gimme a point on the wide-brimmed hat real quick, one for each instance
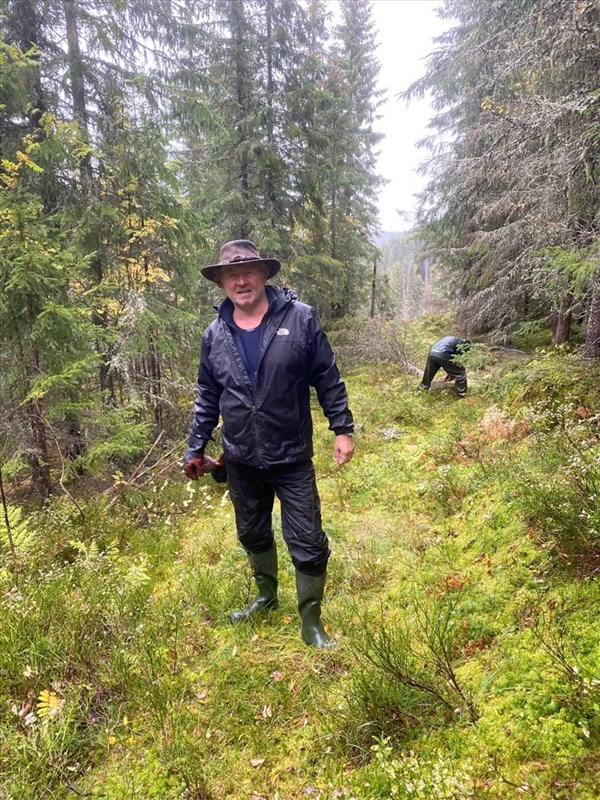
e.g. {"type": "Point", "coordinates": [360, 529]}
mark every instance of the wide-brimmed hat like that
{"type": "Point", "coordinates": [236, 252]}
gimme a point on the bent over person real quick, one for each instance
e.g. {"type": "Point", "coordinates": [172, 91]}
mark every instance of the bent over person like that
{"type": "Point", "coordinates": [442, 355]}
{"type": "Point", "coordinates": [259, 358]}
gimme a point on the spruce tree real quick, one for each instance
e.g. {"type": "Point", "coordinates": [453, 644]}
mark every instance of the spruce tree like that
{"type": "Point", "coordinates": [512, 195]}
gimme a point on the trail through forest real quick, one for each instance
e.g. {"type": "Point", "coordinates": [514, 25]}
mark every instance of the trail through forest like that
{"type": "Point", "coordinates": [468, 659]}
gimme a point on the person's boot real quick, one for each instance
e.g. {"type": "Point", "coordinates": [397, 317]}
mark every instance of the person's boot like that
{"type": "Point", "coordinates": [264, 568]}
{"type": "Point", "coordinates": [310, 589]}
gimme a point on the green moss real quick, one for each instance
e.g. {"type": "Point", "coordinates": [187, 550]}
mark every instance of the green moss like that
{"type": "Point", "coordinates": [441, 535]}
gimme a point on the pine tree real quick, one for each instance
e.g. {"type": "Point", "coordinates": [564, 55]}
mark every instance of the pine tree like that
{"type": "Point", "coordinates": [93, 202]}
{"type": "Point", "coordinates": [45, 348]}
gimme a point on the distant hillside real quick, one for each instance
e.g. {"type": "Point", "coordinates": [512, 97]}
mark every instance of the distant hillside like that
{"type": "Point", "coordinates": [385, 236]}
{"type": "Point", "coordinates": [408, 272]}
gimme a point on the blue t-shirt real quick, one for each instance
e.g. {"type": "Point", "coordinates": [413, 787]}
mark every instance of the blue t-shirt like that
{"type": "Point", "coordinates": [248, 342]}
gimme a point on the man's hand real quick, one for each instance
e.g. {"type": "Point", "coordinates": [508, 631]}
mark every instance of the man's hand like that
{"type": "Point", "coordinates": [195, 468]}
{"type": "Point", "coordinates": [198, 466]}
{"type": "Point", "coordinates": [343, 448]}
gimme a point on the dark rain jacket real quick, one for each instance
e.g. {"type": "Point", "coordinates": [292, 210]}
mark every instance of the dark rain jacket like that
{"type": "Point", "coordinates": [448, 347]}
{"type": "Point", "coordinates": [270, 424]}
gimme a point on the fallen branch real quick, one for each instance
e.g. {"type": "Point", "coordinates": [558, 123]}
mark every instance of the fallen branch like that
{"type": "Point", "coordinates": [412, 369]}
{"type": "Point", "coordinates": [137, 471]}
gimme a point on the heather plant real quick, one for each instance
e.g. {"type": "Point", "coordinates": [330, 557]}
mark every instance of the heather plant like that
{"type": "Point", "coordinates": [558, 485]}
{"type": "Point", "coordinates": [406, 676]}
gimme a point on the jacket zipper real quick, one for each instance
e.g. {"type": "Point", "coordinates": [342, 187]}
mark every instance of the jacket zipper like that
{"type": "Point", "coordinates": [253, 394]}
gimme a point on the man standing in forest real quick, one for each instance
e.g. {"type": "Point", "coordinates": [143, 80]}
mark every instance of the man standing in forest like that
{"type": "Point", "coordinates": [442, 355]}
{"type": "Point", "coordinates": [259, 358]}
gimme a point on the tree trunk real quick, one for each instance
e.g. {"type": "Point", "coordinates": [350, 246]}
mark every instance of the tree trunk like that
{"type": "Point", "coordinates": [405, 286]}
{"type": "Point", "coordinates": [81, 116]}
{"type": "Point", "coordinates": [29, 39]}
{"type": "Point", "coordinates": [592, 336]}
{"type": "Point", "coordinates": [333, 222]}
{"type": "Point", "coordinates": [373, 288]}
{"type": "Point", "coordinates": [155, 377]}
{"type": "Point", "coordinates": [270, 182]}
{"type": "Point", "coordinates": [7, 525]}
{"type": "Point", "coordinates": [38, 459]}
{"type": "Point", "coordinates": [238, 26]}
{"type": "Point", "coordinates": [107, 384]}
{"type": "Point", "coordinates": [78, 92]}
{"type": "Point", "coordinates": [561, 323]}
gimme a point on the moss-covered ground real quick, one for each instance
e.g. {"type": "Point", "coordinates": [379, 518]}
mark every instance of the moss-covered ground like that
{"type": "Point", "coordinates": [462, 590]}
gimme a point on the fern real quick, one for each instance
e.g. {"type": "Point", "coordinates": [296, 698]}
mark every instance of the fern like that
{"type": "Point", "coordinates": [22, 536]}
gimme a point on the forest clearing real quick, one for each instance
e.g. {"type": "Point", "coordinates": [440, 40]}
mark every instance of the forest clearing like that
{"type": "Point", "coordinates": [463, 594]}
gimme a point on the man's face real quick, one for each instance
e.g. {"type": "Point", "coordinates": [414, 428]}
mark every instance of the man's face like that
{"type": "Point", "coordinates": [244, 284]}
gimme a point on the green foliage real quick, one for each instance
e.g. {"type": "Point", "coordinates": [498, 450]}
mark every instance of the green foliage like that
{"type": "Point", "coordinates": [531, 334]}
{"type": "Point", "coordinates": [18, 530]}
{"type": "Point", "coordinates": [407, 776]}
{"type": "Point", "coordinates": [124, 439]}
{"type": "Point", "coordinates": [549, 381]}
{"type": "Point", "coordinates": [319, 281]}
{"type": "Point", "coordinates": [569, 269]}
{"type": "Point", "coordinates": [555, 480]}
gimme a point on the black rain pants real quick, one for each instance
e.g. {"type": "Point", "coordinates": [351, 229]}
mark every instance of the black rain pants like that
{"type": "Point", "coordinates": [435, 363]}
{"type": "Point", "coordinates": [253, 492]}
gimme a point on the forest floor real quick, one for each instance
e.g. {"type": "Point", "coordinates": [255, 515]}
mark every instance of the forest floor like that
{"type": "Point", "coordinates": [462, 590]}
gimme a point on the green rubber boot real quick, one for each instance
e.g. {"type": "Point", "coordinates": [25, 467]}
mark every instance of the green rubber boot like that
{"type": "Point", "coordinates": [310, 589]}
{"type": "Point", "coordinates": [264, 568]}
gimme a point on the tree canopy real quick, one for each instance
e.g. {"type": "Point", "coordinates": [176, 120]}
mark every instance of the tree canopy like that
{"type": "Point", "coordinates": [135, 138]}
{"type": "Point", "coordinates": [511, 211]}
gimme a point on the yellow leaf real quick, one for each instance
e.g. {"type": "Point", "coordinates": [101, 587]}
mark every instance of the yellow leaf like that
{"type": "Point", "coordinates": [49, 704]}
{"type": "Point", "coordinates": [22, 158]}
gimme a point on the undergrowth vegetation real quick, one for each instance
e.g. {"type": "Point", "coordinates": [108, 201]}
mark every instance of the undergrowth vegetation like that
{"type": "Point", "coordinates": [463, 591]}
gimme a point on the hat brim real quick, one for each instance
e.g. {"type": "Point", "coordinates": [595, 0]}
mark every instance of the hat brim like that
{"type": "Point", "coordinates": [212, 272]}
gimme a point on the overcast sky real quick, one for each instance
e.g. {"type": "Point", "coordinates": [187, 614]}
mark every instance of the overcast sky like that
{"type": "Point", "coordinates": [406, 29]}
